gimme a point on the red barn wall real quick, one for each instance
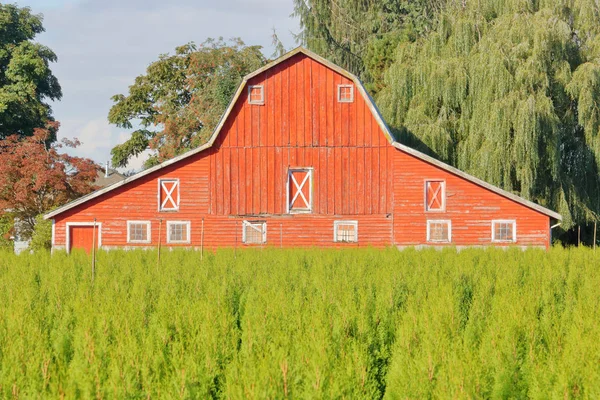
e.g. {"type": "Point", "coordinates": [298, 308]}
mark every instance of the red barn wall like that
{"type": "Point", "coordinates": [470, 208]}
{"type": "Point", "coordinates": [358, 176]}
{"type": "Point", "coordinates": [244, 174]}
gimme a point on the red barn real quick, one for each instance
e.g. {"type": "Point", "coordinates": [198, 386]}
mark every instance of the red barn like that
{"type": "Point", "coordinates": [301, 157]}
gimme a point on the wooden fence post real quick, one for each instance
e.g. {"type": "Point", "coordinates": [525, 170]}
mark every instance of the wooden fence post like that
{"type": "Point", "coordinates": [94, 250]}
{"type": "Point", "coordinates": [235, 234]}
{"type": "Point", "coordinates": [202, 241]}
{"type": "Point", "coordinates": [578, 235]}
{"type": "Point", "coordinates": [159, 239]}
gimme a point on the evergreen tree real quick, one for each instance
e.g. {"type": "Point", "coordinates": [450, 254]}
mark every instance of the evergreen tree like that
{"type": "Point", "coordinates": [509, 91]}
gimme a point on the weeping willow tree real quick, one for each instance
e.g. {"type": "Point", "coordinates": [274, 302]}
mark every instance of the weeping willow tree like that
{"type": "Point", "coordinates": [361, 35]}
{"type": "Point", "coordinates": [509, 91]}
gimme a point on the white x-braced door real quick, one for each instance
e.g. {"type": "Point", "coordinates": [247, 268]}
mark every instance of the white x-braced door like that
{"type": "Point", "coordinates": [299, 193]}
{"type": "Point", "coordinates": [168, 195]}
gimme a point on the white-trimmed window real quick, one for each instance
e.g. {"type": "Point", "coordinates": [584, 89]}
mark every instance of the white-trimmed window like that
{"type": "Point", "coordinates": [299, 190]}
{"type": "Point", "coordinates": [345, 93]}
{"type": "Point", "coordinates": [256, 94]}
{"type": "Point", "coordinates": [178, 231]}
{"type": "Point", "coordinates": [435, 195]}
{"type": "Point", "coordinates": [254, 232]}
{"type": "Point", "coordinates": [168, 194]}
{"type": "Point", "coordinates": [504, 230]}
{"type": "Point", "coordinates": [345, 231]}
{"type": "Point", "coordinates": [139, 232]}
{"type": "Point", "coordinates": [439, 231]}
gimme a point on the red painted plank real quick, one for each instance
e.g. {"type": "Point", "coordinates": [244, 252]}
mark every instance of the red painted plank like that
{"type": "Point", "coordinates": [330, 161]}
{"type": "Point", "coordinates": [285, 107]}
{"type": "Point", "coordinates": [338, 175]}
{"type": "Point", "coordinates": [279, 182]}
{"type": "Point", "coordinates": [309, 102]}
{"type": "Point", "coordinates": [330, 117]}
{"type": "Point", "coordinates": [235, 182]}
{"type": "Point", "coordinates": [277, 81]}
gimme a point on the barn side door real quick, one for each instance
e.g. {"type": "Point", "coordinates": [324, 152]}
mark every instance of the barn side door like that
{"type": "Point", "coordinates": [82, 237]}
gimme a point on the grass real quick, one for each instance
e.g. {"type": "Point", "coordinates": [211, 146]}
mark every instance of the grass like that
{"type": "Point", "coordinates": [302, 324]}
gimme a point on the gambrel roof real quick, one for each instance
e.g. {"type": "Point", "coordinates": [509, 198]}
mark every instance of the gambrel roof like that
{"type": "Point", "coordinates": [369, 101]}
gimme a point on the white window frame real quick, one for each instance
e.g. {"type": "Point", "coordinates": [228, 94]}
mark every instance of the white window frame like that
{"type": "Point", "coordinates": [148, 229]}
{"type": "Point", "coordinates": [339, 93]}
{"type": "Point", "coordinates": [300, 185]}
{"type": "Point", "coordinates": [439, 221]}
{"type": "Point", "coordinates": [189, 231]}
{"type": "Point", "coordinates": [246, 224]}
{"type": "Point", "coordinates": [443, 186]}
{"type": "Point", "coordinates": [262, 93]}
{"type": "Point", "coordinates": [335, 226]}
{"type": "Point", "coordinates": [504, 221]}
{"type": "Point", "coordinates": [71, 224]}
{"type": "Point", "coordinates": [169, 194]}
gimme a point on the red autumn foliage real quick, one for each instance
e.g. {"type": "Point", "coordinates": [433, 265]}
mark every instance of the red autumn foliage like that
{"type": "Point", "coordinates": [35, 177]}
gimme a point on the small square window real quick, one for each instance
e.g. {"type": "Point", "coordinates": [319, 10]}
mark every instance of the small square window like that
{"type": "Point", "coordinates": [504, 231]}
{"type": "Point", "coordinates": [299, 190]}
{"type": "Point", "coordinates": [178, 232]}
{"type": "Point", "coordinates": [439, 231]}
{"type": "Point", "coordinates": [168, 194]}
{"type": "Point", "coordinates": [345, 231]}
{"type": "Point", "coordinates": [345, 93]}
{"type": "Point", "coordinates": [256, 94]}
{"type": "Point", "coordinates": [254, 232]}
{"type": "Point", "coordinates": [435, 195]}
{"type": "Point", "coordinates": [138, 232]}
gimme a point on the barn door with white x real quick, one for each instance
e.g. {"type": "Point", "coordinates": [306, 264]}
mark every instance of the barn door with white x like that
{"type": "Point", "coordinates": [168, 195]}
{"type": "Point", "coordinates": [300, 190]}
{"type": "Point", "coordinates": [435, 196]}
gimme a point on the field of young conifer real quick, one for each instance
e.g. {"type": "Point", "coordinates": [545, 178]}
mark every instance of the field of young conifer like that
{"type": "Point", "coordinates": [302, 324]}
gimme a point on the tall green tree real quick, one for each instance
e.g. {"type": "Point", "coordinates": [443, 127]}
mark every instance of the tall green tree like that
{"type": "Point", "coordinates": [26, 81]}
{"type": "Point", "coordinates": [179, 101]}
{"type": "Point", "coordinates": [508, 90]}
{"type": "Point", "coordinates": [361, 35]}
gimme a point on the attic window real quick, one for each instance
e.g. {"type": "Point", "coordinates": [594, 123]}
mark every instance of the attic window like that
{"type": "Point", "coordinates": [256, 94]}
{"type": "Point", "coordinates": [345, 93]}
{"type": "Point", "coordinates": [254, 232]}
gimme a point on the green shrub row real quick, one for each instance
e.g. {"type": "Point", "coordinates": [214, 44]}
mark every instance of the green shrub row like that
{"type": "Point", "coordinates": [302, 324]}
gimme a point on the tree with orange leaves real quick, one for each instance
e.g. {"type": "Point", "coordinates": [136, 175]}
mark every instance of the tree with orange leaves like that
{"type": "Point", "coordinates": [36, 177]}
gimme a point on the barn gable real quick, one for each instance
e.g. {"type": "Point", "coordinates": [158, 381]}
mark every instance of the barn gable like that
{"type": "Point", "coordinates": [302, 147]}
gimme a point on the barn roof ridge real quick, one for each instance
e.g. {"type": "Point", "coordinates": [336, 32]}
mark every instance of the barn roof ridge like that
{"type": "Point", "coordinates": [370, 103]}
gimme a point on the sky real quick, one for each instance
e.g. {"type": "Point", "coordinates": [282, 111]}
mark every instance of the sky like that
{"type": "Point", "coordinates": [102, 45]}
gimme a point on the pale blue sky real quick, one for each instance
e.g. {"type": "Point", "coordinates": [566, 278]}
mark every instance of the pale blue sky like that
{"type": "Point", "coordinates": [102, 45]}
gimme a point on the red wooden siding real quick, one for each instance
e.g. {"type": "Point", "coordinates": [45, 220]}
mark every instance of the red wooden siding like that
{"type": "Point", "coordinates": [355, 175]}
{"type": "Point", "coordinates": [301, 124]}
{"type": "Point", "coordinates": [468, 206]}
